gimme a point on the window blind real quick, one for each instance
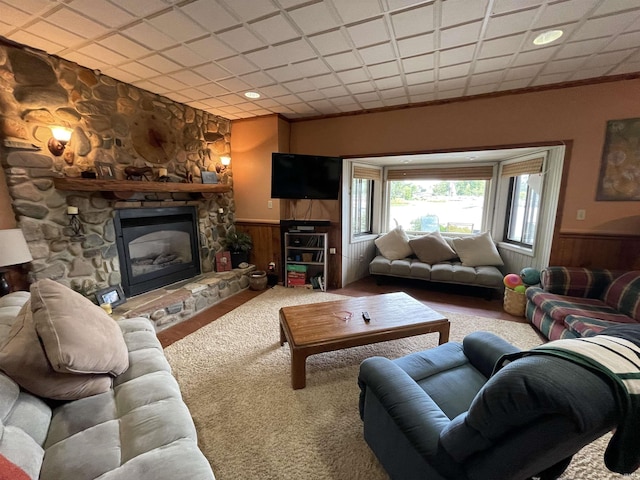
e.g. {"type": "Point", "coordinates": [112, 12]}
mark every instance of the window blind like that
{"type": "Point", "coordinates": [526, 167]}
{"type": "Point", "coordinates": [484, 172]}
{"type": "Point", "coordinates": [366, 173]}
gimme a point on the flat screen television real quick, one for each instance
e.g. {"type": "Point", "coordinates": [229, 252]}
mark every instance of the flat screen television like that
{"type": "Point", "coordinates": [305, 176]}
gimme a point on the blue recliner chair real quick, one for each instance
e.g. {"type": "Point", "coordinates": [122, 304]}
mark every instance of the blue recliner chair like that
{"type": "Point", "coordinates": [439, 414]}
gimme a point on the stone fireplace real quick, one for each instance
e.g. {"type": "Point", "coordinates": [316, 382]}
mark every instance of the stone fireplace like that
{"type": "Point", "coordinates": [156, 247]}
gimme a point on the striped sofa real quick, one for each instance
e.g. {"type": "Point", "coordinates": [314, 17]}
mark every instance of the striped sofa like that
{"type": "Point", "coordinates": [574, 302]}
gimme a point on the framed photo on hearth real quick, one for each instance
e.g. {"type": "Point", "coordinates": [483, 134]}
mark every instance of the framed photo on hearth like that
{"type": "Point", "coordinates": [223, 261]}
{"type": "Point", "coordinates": [105, 171]}
{"type": "Point", "coordinates": [112, 295]}
{"type": "Point", "coordinates": [209, 177]}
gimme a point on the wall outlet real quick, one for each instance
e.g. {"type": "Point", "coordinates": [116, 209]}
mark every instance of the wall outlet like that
{"type": "Point", "coordinates": [581, 215]}
{"type": "Point", "coordinates": [270, 204]}
{"type": "Point", "coordinates": [332, 251]}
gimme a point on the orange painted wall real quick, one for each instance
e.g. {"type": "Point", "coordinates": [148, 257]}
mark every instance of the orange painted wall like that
{"type": "Point", "coordinates": [578, 114]}
{"type": "Point", "coordinates": [253, 141]}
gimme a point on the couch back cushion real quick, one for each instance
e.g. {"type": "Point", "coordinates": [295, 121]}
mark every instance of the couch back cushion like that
{"type": "Point", "coordinates": [623, 294]}
{"type": "Point", "coordinates": [575, 281]}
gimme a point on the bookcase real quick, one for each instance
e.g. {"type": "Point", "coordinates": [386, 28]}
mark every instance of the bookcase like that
{"type": "Point", "coordinates": [305, 256]}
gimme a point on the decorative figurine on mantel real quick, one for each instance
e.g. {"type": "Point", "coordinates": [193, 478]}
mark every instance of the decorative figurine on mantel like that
{"type": "Point", "coordinates": [137, 173]}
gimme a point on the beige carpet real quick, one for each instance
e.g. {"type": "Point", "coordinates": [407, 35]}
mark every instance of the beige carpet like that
{"type": "Point", "coordinates": [251, 424]}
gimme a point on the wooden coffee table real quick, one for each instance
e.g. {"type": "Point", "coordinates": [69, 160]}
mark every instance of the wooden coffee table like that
{"type": "Point", "coordinates": [321, 327]}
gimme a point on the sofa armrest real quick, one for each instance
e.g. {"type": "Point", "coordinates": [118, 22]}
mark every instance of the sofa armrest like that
{"type": "Point", "coordinates": [484, 349]}
{"type": "Point", "coordinates": [576, 281]}
{"type": "Point", "coordinates": [413, 411]}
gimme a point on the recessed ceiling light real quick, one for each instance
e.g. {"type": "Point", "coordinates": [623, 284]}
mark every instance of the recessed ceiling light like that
{"type": "Point", "coordinates": [547, 37]}
{"type": "Point", "coordinates": [252, 95]}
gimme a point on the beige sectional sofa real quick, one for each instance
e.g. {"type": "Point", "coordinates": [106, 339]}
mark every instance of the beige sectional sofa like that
{"type": "Point", "coordinates": [138, 428]}
{"type": "Point", "coordinates": [472, 260]}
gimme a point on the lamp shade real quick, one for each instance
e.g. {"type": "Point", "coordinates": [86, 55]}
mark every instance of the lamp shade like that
{"type": "Point", "coordinates": [13, 248]}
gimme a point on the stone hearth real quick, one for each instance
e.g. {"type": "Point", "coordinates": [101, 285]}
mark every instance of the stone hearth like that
{"type": "Point", "coordinates": [180, 301]}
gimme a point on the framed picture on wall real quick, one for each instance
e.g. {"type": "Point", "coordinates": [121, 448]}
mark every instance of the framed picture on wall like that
{"type": "Point", "coordinates": [619, 164]}
{"type": "Point", "coordinates": [223, 262]}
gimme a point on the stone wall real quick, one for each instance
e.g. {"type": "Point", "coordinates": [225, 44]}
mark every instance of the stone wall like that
{"type": "Point", "coordinates": [113, 123]}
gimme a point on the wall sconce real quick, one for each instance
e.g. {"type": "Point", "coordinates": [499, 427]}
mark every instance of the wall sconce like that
{"type": "Point", "coordinates": [225, 161]}
{"type": "Point", "coordinates": [14, 251]}
{"type": "Point", "coordinates": [77, 231]}
{"type": "Point", "coordinates": [59, 140]}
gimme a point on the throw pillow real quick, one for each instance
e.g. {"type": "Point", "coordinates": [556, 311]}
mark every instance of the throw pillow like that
{"type": "Point", "coordinates": [623, 294]}
{"type": "Point", "coordinates": [10, 471]}
{"type": "Point", "coordinates": [23, 359]}
{"type": "Point", "coordinates": [432, 248]}
{"type": "Point", "coordinates": [394, 245]}
{"type": "Point", "coordinates": [477, 250]}
{"type": "Point", "coordinates": [77, 335]}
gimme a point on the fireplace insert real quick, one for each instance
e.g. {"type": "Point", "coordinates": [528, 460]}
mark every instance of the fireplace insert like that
{"type": "Point", "coordinates": [156, 246]}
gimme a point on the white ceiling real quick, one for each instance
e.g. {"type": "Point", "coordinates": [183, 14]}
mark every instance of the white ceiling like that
{"type": "Point", "coordinates": [323, 57]}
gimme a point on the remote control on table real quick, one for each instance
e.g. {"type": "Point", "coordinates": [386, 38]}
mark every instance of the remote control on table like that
{"type": "Point", "coordinates": [366, 317]}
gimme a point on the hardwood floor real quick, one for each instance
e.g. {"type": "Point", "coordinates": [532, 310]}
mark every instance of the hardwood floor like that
{"type": "Point", "coordinates": [440, 297]}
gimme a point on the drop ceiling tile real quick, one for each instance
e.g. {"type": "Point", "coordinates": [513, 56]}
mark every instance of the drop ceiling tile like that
{"type": "Point", "coordinates": [180, 97]}
{"type": "Point", "coordinates": [258, 79]}
{"type": "Point", "coordinates": [79, 24]}
{"type": "Point", "coordinates": [189, 77]}
{"type": "Point", "coordinates": [455, 12]}
{"type": "Point", "coordinates": [297, 86]}
{"type": "Point", "coordinates": [213, 102]}
{"type": "Point", "coordinates": [455, 36]}
{"type": "Point", "coordinates": [510, 24]}
{"type": "Point", "coordinates": [353, 76]}
{"type": "Point", "coordinates": [267, 58]}
{"type": "Point", "coordinates": [549, 79]}
{"type": "Point", "coordinates": [266, 103]}
{"type": "Point", "coordinates": [346, 100]}
{"type": "Point", "coordinates": [241, 39]}
{"type": "Point", "coordinates": [291, 3]}
{"type": "Point", "coordinates": [323, 106]}
{"type": "Point", "coordinates": [168, 83]}
{"type": "Point", "coordinates": [288, 99]}
{"type": "Point", "coordinates": [413, 22]}
{"type": "Point", "coordinates": [275, 29]}
{"type": "Point", "coordinates": [609, 59]}
{"type": "Point", "coordinates": [213, 89]}
{"type": "Point", "coordinates": [138, 69]}
{"type": "Point", "coordinates": [159, 63]}
{"type": "Point", "coordinates": [337, 91]}
{"type": "Point", "coordinates": [283, 74]}
{"type": "Point", "coordinates": [457, 55]}
{"type": "Point", "coordinates": [349, 108]}
{"type": "Point", "coordinates": [310, 95]}
{"type": "Point", "coordinates": [454, 71]}
{"type": "Point", "coordinates": [148, 36]}
{"type": "Point", "coordinates": [420, 77]}
{"type": "Point", "coordinates": [627, 67]}
{"type": "Point", "coordinates": [295, 51]}
{"type": "Point", "coordinates": [481, 89]}
{"type": "Point", "coordinates": [393, 93]}
{"type": "Point", "coordinates": [351, 11]}
{"type": "Point", "coordinates": [624, 41]}
{"type": "Point", "coordinates": [124, 46]}
{"type": "Point", "coordinates": [367, 97]}
{"type": "Point", "coordinates": [230, 109]}
{"type": "Point", "coordinates": [47, 30]}
{"type": "Point", "coordinates": [613, 6]}
{"type": "Point", "coordinates": [569, 11]}
{"type": "Point", "coordinates": [192, 93]}
{"type": "Point", "coordinates": [211, 48]}
{"type": "Point", "coordinates": [490, 64]}
{"type": "Point", "coordinates": [184, 56]}
{"type": "Point", "coordinates": [141, 8]}
{"type": "Point", "coordinates": [22, 7]}
{"type": "Point", "coordinates": [534, 56]}
{"type": "Point", "coordinates": [238, 65]}
{"type": "Point", "coordinates": [514, 84]}
{"type": "Point", "coordinates": [415, 64]}
{"type": "Point", "coordinates": [210, 15]}
{"type": "Point", "coordinates": [518, 73]}
{"type": "Point", "coordinates": [324, 81]}
{"type": "Point", "coordinates": [314, 18]}
{"type": "Point", "coordinates": [107, 14]}
{"type": "Point", "coordinates": [392, 102]}
{"type": "Point", "coordinates": [561, 66]}
{"type": "Point", "coordinates": [582, 48]}
{"type": "Point", "coordinates": [452, 84]}
{"type": "Point", "coordinates": [486, 78]}
{"type": "Point", "coordinates": [121, 75]}
{"type": "Point", "coordinates": [410, 47]}
{"type": "Point", "coordinates": [178, 26]}
{"type": "Point", "coordinates": [441, 95]}
{"type": "Point", "coordinates": [372, 104]}
{"type": "Point", "coordinates": [501, 46]}
{"type": "Point", "coordinates": [361, 87]}
{"type": "Point", "coordinates": [211, 71]}
{"type": "Point", "coordinates": [384, 70]}
{"type": "Point", "coordinates": [231, 98]}
{"type": "Point", "coordinates": [102, 54]}
{"type": "Point", "coordinates": [250, 9]}
{"type": "Point", "coordinates": [274, 90]}
{"type": "Point", "coordinates": [330, 42]}
{"type": "Point", "coordinates": [35, 41]}
{"type": "Point", "coordinates": [369, 33]}
{"type": "Point", "coordinates": [505, 6]}
{"type": "Point", "coordinates": [387, 83]}
{"type": "Point", "coordinates": [602, 27]}
{"type": "Point", "coordinates": [146, 85]}
{"type": "Point", "coordinates": [309, 68]}
{"type": "Point", "coordinates": [343, 61]}
{"type": "Point", "coordinates": [378, 53]}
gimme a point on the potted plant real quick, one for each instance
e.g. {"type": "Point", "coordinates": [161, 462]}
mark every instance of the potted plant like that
{"type": "Point", "coordinates": [239, 245]}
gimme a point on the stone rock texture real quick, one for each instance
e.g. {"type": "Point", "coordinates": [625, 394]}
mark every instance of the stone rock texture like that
{"type": "Point", "coordinates": [39, 92]}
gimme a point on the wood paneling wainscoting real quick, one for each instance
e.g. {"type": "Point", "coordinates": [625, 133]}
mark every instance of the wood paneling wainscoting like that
{"type": "Point", "coordinates": [615, 252]}
{"type": "Point", "coordinates": [267, 248]}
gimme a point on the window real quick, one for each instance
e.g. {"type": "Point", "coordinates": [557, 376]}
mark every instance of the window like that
{"type": "Point", "coordinates": [362, 198]}
{"type": "Point", "coordinates": [362, 206]}
{"type": "Point", "coordinates": [448, 199]}
{"type": "Point", "coordinates": [522, 212]}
